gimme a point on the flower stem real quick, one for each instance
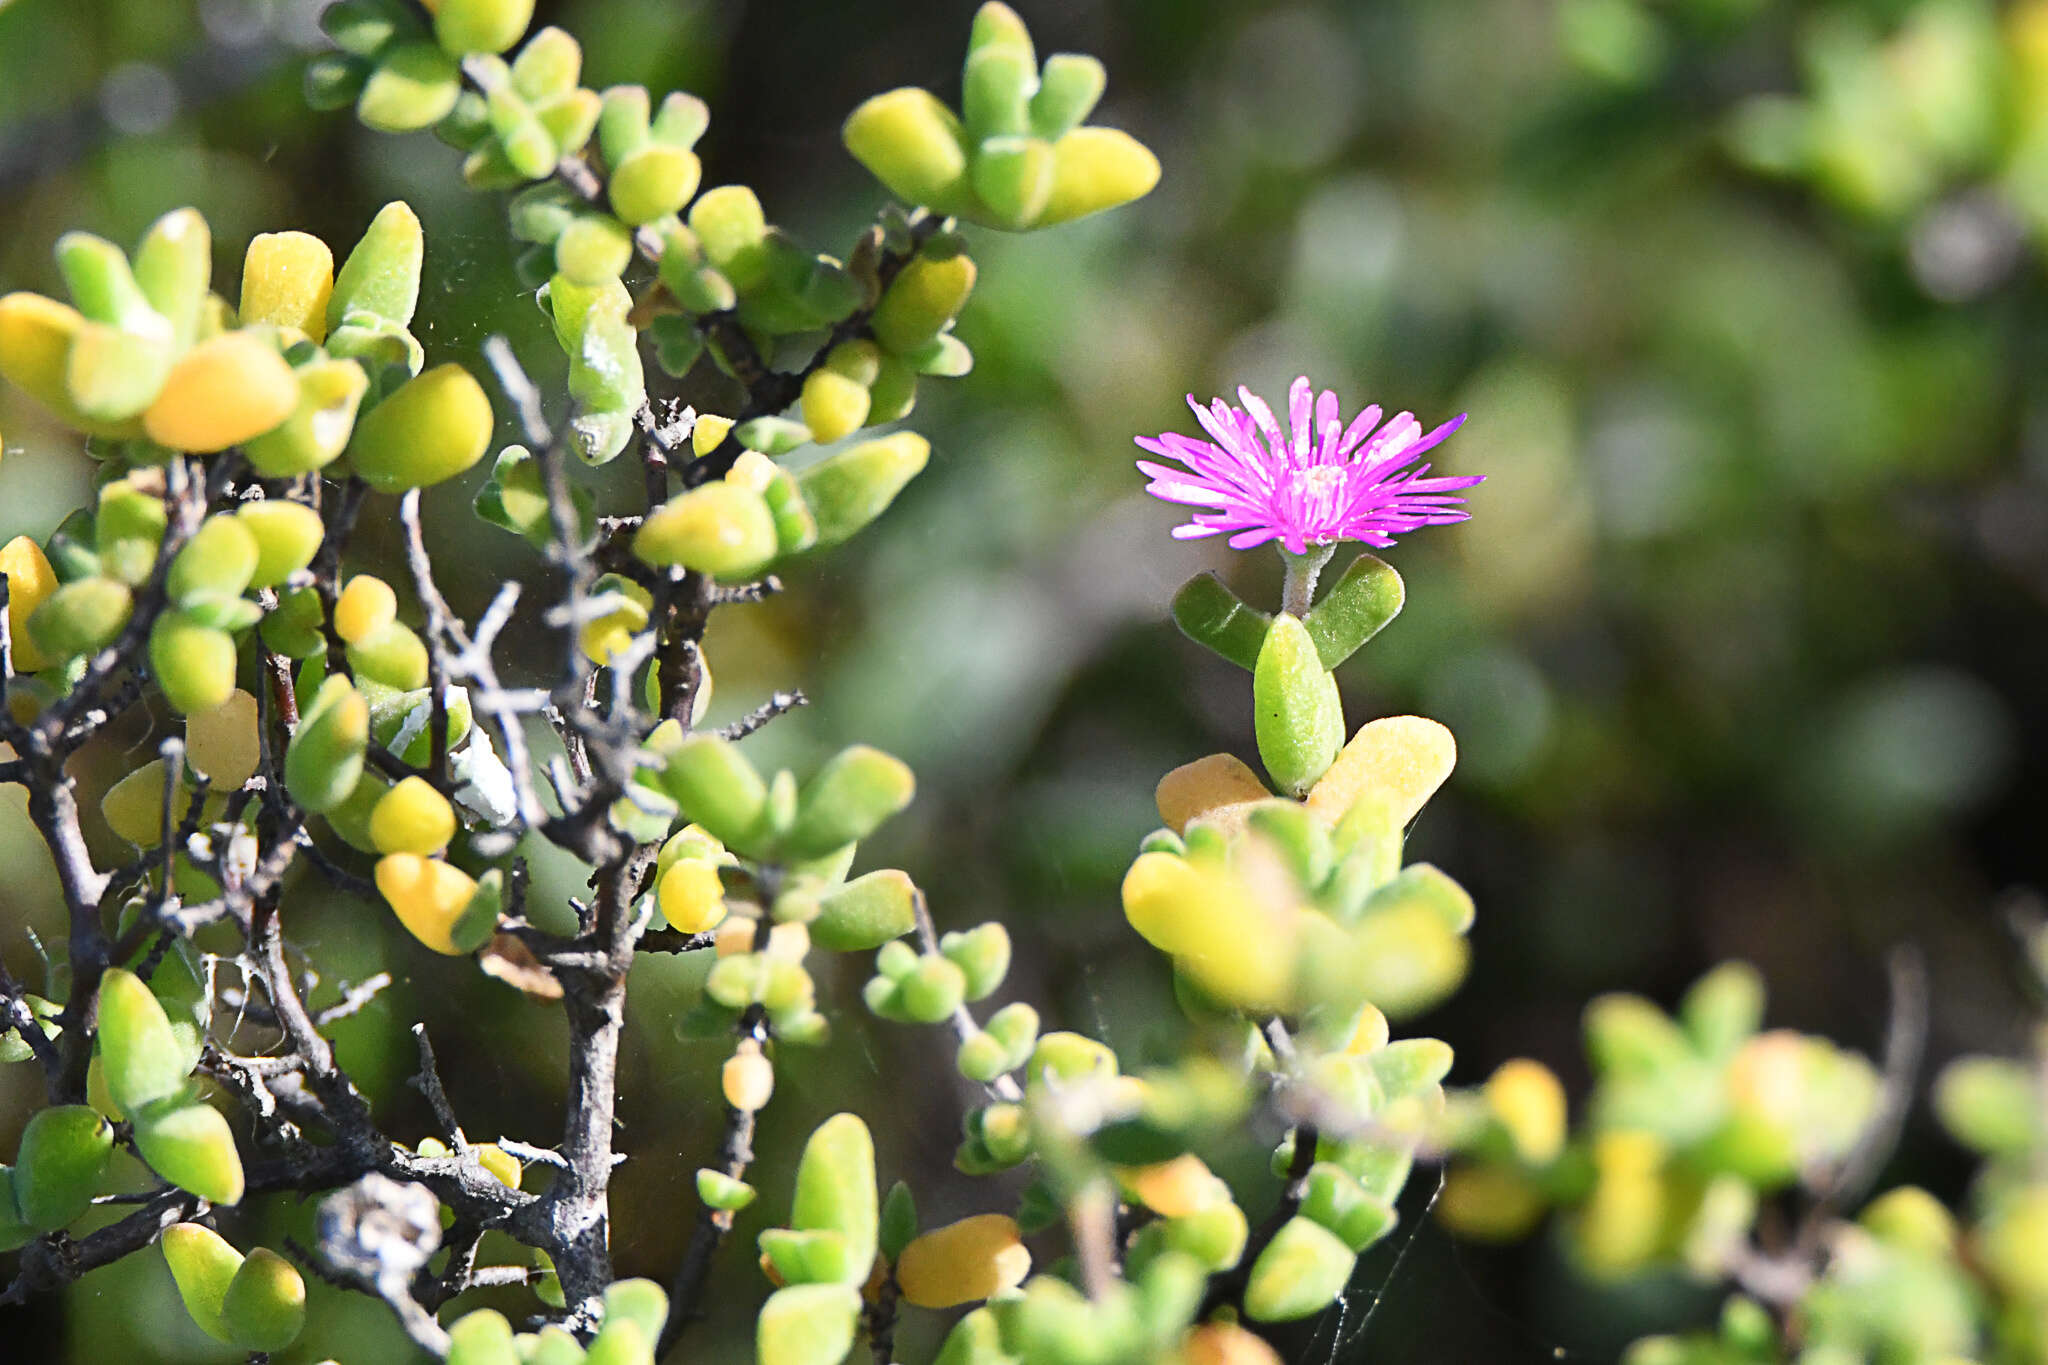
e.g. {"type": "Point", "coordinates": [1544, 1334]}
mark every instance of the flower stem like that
{"type": "Point", "coordinates": [1299, 594]}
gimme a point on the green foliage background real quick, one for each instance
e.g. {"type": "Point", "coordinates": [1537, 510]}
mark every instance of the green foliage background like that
{"type": "Point", "coordinates": [1744, 644]}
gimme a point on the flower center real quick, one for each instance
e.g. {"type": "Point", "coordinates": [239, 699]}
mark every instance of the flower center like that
{"type": "Point", "coordinates": [1320, 481]}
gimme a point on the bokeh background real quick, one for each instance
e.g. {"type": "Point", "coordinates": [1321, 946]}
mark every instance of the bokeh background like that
{"type": "Point", "coordinates": [1744, 644]}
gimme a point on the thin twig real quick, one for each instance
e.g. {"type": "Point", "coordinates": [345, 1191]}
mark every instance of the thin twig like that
{"type": "Point", "coordinates": [779, 703]}
{"type": "Point", "coordinates": [735, 1154]}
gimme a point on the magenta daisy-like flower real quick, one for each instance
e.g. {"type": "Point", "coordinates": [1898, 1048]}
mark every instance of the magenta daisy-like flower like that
{"type": "Point", "coordinates": [1317, 483]}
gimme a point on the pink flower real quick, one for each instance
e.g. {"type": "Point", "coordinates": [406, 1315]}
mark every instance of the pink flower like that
{"type": "Point", "coordinates": [1318, 483]}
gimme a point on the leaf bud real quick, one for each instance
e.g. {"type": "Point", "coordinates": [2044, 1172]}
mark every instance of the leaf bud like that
{"type": "Point", "coordinates": [720, 1191]}
{"type": "Point", "coordinates": [607, 637]}
{"type": "Point", "coordinates": [932, 992]}
{"type": "Point", "coordinates": [318, 429]}
{"type": "Point", "coordinates": [293, 627]}
{"type": "Point", "coordinates": [1069, 1057]}
{"type": "Point", "coordinates": [1529, 1102]}
{"type": "Point", "coordinates": [996, 88]}
{"type": "Point", "coordinates": [104, 287]}
{"type": "Point", "coordinates": [653, 182]}
{"type": "Point", "coordinates": [983, 956]}
{"type": "Point", "coordinates": [36, 338]}
{"type": "Point", "coordinates": [333, 80]}
{"type": "Point", "coordinates": [203, 1264]}
{"type": "Point", "coordinates": [1069, 86]}
{"type": "Point", "coordinates": [112, 375]}
{"type": "Point", "coordinates": [1214, 1235]}
{"type": "Point", "coordinates": [548, 65]}
{"type": "Point", "coordinates": [732, 230]}
{"type": "Point", "coordinates": [593, 249]}
{"type": "Point", "coordinates": [393, 656]}
{"type": "Point", "coordinates": [133, 806]}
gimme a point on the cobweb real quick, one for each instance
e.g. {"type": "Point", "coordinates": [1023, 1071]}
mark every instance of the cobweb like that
{"type": "Point", "coordinates": [1344, 1336]}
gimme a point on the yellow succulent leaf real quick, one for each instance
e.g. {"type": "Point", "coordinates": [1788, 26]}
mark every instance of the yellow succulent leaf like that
{"type": "Point", "coordinates": [134, 806]}
{"type": "Point", "coordinates": [709, 432]}
{"type": "Point", "coordinates": [691, 896]}
{"type": "Point", "coordinates": [412, 818]}
{"type": "Point", "coordinates": [1215, 928]}
{"type": "Point", "coordinates": [1097, 168]}
{"type": "Point", "coordinates": [1193, 790]}
{"type": "Point", "coordinates": [220, 393]}
{"type": "Point", "coordinates": [1172, 1188]}
{"type": "Point", "coordinates": [366, 605]}
{"type": "Point", "coordinates": [1529, 1101]}
{"type": "Point", "coordinates": [30, 579]}
{"type": "Point", "coordinates": [287, 278]}
{"type": "Point", "coordinates": [748, 1080]}
{"type": "Point", "coordinates": [35, 355]}
{"type": "Point", "coordinates": [1401, 759]}
{"type": "Point", "coordinates": [1489, 1203]}
{"type": "Point", "coordinates": [1226, 1343]}
{"type": "Point", "coordinates": [222, 741]}
{"type": "Point", "coordinates": [1622, 1225]}
{"type": "Point", "coordinates": [427, 895]}
{"type": "Point", "coordinates": [499, 1163]}
{"type": "Point", "coordinates": [963, 1262]}
{"type": "Point", "coordinates": [1369, 1032]}
{"type": "Point", "coordinates": [735, 936]}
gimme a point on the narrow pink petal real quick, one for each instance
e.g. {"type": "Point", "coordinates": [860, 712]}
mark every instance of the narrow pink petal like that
{"type": "Point", "coordinates": [1300, 396]}
{"type": "Point", "coordinates": [1360, 428]}
{"type": "Point", "coordinates": [1262, 416]}
{"type": "Point", "coordinates": [1326, 408]}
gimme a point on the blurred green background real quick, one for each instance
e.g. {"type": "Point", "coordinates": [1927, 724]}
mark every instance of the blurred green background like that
{"type": "Point", "coordinates": [1744, 643]}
